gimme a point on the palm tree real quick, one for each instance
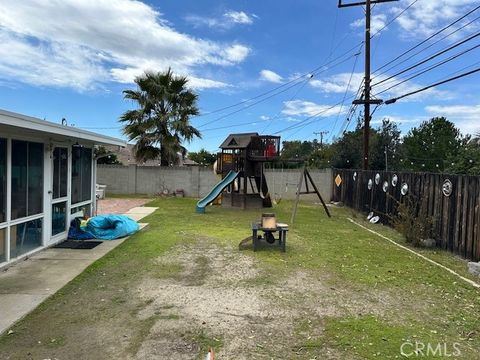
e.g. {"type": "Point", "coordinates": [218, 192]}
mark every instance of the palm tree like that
{"type": "Point", "coordinates": [162, 121]}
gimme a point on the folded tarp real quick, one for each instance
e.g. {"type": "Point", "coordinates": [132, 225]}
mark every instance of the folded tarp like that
{"type": "Point", "coordinates": [111, 227]}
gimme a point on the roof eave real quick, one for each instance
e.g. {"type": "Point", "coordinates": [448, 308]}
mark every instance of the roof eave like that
{"type": "Point", "coordinates": [31, 123]}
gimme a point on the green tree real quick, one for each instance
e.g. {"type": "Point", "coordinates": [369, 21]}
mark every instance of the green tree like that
{"type": "Point", "coordinates": [385, 147]}
{"type": "Point", "coordinates": [348, 150]}
{"type": "Point", "coordinates": [202, 157]}
{"type": "Point", "coordinates": [161, 122]}
{"type": "Point", "coordinates": [104, 156]}
{"type": "Point", "coordinates": [467, 160]}
{"type": "Point", "coordinates": [321, 157]}
{"type": "Point", "coordinates": [427, 147]}
{"type": "Point", "coordinates": [296, 150]}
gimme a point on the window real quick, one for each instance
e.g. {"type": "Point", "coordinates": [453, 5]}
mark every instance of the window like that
{"type": "Point", "coordinates": [81, 174]}
{"type": "Point", "coordinates": [25, 237]}
{"type": "Point", "coordinates": [60, 172]}
{"type": "Point", "coordinates": [27, 179]}
{"type": "Point", "coordinates": [3, 183]}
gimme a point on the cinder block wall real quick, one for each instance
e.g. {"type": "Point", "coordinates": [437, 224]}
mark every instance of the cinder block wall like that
{"type": "Point", "coordinates": [197, 182]}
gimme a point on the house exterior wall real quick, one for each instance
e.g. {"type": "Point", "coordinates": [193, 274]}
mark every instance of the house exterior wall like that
{"type": "Point", "coordinates": [197, 181]}
{"type": "Point", "coordinates": [14, 231]}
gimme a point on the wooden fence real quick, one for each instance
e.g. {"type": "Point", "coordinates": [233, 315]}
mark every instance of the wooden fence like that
{"type": "Point", "coordinates": [456, 217]}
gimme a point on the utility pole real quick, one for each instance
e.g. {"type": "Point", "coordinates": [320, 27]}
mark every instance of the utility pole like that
{"type": "Point", "coordinates": [321, 133]}
{"type": "Point", "coordinates": [367, 100]}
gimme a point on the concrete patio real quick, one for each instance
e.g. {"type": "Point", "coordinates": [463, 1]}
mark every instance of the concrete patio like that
{"type": "Point", "coordinates": [26, 284]}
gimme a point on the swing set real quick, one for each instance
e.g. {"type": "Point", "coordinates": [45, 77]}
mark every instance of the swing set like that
{"type": "Point", "coordinates": [305, 178]}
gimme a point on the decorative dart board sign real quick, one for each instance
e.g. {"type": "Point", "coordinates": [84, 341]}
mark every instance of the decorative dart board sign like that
{"type": "Point", "coordinates": [447, 188]}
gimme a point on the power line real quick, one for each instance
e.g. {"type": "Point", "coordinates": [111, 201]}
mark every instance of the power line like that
{"type": "Point", "coordinates": [367, 101]}
{"type": "Point", "coordinates": [429, 58]}
{"type": "Point", "coordinates": [272, 95]}
{"type": "Point", "coordinates": [345, 94]}
{"type": "Point", "coordinates": [428, 47]}
{"type": "Point", "coordinates": [393, 100]}
{"type": "Point", "coordinates": [309, 120]}
{"type": "Point", "coordinates": [430, 68]}
{"type": "Point", "coordinates": [318, 68]}
{"type": "Point", "coordinates": [270, 121]}
{"type": "Point", "coordinates": [428, 39]}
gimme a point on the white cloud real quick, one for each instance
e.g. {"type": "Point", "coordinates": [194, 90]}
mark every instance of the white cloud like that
{"type": "Point", "coordinates": [239, 17]}
{"type": "Point", "coordinates": [377, 23]}
{"type": "Point", "coordinates": [465, 117]}
{"type": "Point", "coordinates": [308, 108]}
{"type": "Point", "coordinates": [270, 76]}
{"type": "Point", "coordinates": [93, 42]}
{"type": "Point", "coordinates": [399, 120]}
{"type": "Point", "coordinates": [338, 83]}
{"type": "Point", "coordinates": [426, 17]}
{"type": "Point", "coordinates": [264, 117]}
{"type": "Point", "coordinates": [227, 21]}
{"type": "Point", "coordinates": [421, 19]}
{"type": "Point", "coordinates": [235, 53]}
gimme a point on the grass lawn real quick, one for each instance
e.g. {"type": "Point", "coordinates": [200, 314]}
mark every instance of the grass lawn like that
{"type": "Point", "coordinates": [182, 286]}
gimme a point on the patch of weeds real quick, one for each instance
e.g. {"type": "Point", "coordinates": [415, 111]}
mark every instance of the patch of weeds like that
{"type": "Point", "coordinates": [54, 342]}
{"type": "Point", "coordinates": [143, 328]}
{"type": "Point", "coordinates": [197, 275]}
{"type": "Point", "coordinates": [412, 222]}
{"type": "Point", "coordinates": [264, 279]}
{"type": "Point", "coordinates": [372, 338]}
{"type": "Point", "coordinates": [119, 299]}
{"type": "Point", "coordinates": [149, 301]}
{"type": "Point", "coordinates": [205, 342]}
{"type": "Point", "coordinates": [167, 271]}
{"type": "Point", "coordinates": [309, 347]}
{"type": "Point", "coordinates": [169, 317]}
{"type": "Point", "coordinates": [166, 306]}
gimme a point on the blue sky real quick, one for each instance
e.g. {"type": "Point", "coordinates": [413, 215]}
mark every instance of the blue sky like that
{"type": "Point", "coordinates": [73, 58]}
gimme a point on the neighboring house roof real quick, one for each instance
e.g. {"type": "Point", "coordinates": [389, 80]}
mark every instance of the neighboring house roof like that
{"type": "Point", "coordinates": [189, 162]}
{"type": "Point", "coordinates": [238, 141]}
{"type": "Point", "coordinates": [126, 157]}
{"type": "Point", "coordinates": [31, 126]}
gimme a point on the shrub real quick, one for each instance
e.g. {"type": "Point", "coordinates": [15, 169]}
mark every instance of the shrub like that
{"type": "Point", "coordinates": [413, 223]}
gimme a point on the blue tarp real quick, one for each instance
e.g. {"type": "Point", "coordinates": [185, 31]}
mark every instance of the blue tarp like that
{"type": "Point", "coordinates": [76, 233]}
{"type": "Point", "coordinates": [110, 227]}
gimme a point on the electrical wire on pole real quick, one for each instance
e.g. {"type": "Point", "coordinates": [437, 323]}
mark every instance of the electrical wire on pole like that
{"type": "Point", "coordinates": [395, 99]}
{"type": "Point", "coordinates": [367, 101]}
{"type": "Point", "coordinates": [398, 57]}
{"type": "Point", "coordinates": [429, 58]}
{"type": "Point", "coordinates": [426, 70]}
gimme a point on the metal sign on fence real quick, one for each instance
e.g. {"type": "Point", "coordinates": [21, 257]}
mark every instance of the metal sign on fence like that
{"type": "Point", "coordinates": [338, 180]}
{"type": "Point", "coordinates": [447, 188]}
{"type": "Point", "coordinates": [394, 180]}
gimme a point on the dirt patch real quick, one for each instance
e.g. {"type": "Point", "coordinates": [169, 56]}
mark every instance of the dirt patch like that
{"type": "Point", "coordinates": [220, 293]}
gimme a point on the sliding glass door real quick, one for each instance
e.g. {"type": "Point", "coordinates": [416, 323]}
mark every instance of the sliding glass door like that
{"type": "Point", "coordinates": [59, 191]}
{"type": "Point", "coordinates": [26, 231]}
